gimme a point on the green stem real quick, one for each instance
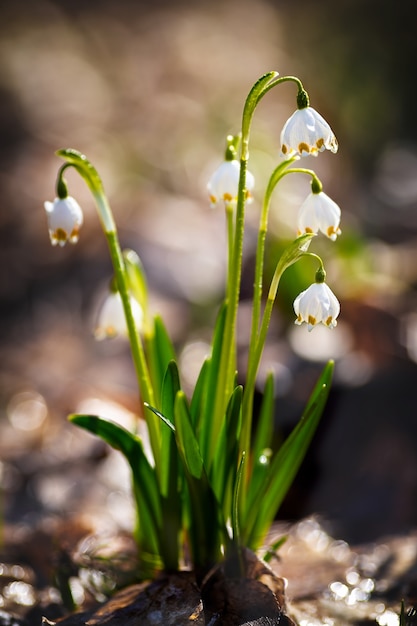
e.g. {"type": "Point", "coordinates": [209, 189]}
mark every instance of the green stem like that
{"type": "Point", "coordinates": [227, 368]}
{"type": "Point", "coordinates": [93, 181]}
{"type": "Point", "coordinates": [277, 81]}
{"type": "Point", "coordinates": [253, 357]}
{"type": "Point", "coordinates": [280, 171]}
{"type": "Point", "coordinates": [276, 176]}
{"type": "Point", "coordinates": [230, 238]}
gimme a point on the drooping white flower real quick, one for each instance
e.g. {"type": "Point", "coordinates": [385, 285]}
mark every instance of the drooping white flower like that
{"type": "Point", "coordinates": [111, 320]}
{"type": "Point", "coordinates": [317, 305]}
{"type": "Point", "coordinates": [223, 184]}
{"type": "Point", "coordinates": [319, 213]}
{"type": "Point", "coordinates": [65, 219]}
{"type": "Point", "coordinates": [306, 132]}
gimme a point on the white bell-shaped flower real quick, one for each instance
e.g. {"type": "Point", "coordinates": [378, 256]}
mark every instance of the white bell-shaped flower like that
{"type": "Point", "coordinates": [223, 184]}
{"type": "Point", "coordinates": [65, 219]}
{"type": "Point", "coordinates": [317, 305]}
{"type": "Point", "coordinates": [305, 133]}
{"type": "Point", "coordinates": [111, 320]}
{"type": "Point", "coordinates": [319, 213]}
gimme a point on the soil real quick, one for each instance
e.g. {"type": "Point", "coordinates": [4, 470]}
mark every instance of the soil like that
{"type": "Point", "coordinates": [313, 580]}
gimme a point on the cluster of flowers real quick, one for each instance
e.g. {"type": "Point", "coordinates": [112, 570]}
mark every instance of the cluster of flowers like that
{"type": "Point", "coordinates": [305, 133]}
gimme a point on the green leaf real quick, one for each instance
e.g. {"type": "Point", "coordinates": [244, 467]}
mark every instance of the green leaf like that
{"type": "Point", "coordinates": [225, 464]}
{"type": "Point", "coordinates": [207, 530]}
{"type": "Point", "coordinates": [235, 501]}
{"type": "Point", "coordinates": [160, 352]}
{"type": "Point", "coordinates": [265, 425]}
{"type": "Point", "coordinates": [170, 476]}
{"type": "Point", "coordinates": [169, 458]}
{"type": "Point", "coordinates": [285, 464]}
{"type": "Point", "coordinates": [206, 426]}
{"type": "Point", "coordinates": [137, 278]}
{"type": "Point", "coordinates": [145, 485]}
{"type": "Point", "coordinates": [186, 440]}
{"type": "Point", "coordinates": [261, 452]}
{"type": "Point", "coordinates": [199, 394]}
{"type": "Point", "coordinates": [273, 549]}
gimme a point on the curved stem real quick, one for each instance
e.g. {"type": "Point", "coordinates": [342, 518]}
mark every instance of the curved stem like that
{"type": "Point", "coordinates": [93, 181]}
{"type": "Point", "coordinates": [277, 81]}
{"type": "Point", "coordinates": [276, 176]}
{"type": "Point", "coordinates": [230, 241]}
{"type": "Point", "coordinates": [227, 368]}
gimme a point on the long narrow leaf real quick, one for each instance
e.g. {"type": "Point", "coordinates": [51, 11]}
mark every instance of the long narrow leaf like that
{"type": "Point", "coordinates": [160, 352]}
{"type": "Point", "coordinates": [206, 526]}
{"type": "Point", "coordinates": [170, 478]}
{"type": "Point", "coordinates": [170, 387]}
{"type": "Point", "coordinates": [265, 425]}
{"type": "Point", "coordinates": [207, 427]}
{"type": "Point", "coordinates": [285, 464]}
{"type": "Point", "coordinates": [226, 461]}
{"type": "Point", "coordinates": [199, 396]}
{"type": "Point", "coordinates": [144, 479]}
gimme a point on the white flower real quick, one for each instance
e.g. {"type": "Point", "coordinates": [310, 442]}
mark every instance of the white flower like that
{"type": "Point", "coordinates": [319, 212]}
{"type": "Point", "coordinates": [65, 218]}
{"type": "Point", "coordinates": [111, 319]}
{"type": "Point", "coordinates": [317, 305]}
{"type": "Point", "coordinates": [223, 184]}
{"type": "Point", "coordinates": [306, 132]}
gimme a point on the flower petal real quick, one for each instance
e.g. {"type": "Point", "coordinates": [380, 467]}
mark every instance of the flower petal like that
{"type": "Point", "coordinates": [65, 219]}
{"type": "Point", "coordinates": [319, 213]}
{"type": "Point", "coordinates": [317, 305]}
{"type": "Point", "coordinates": [305, 133]}
{"type": "Point", "coordinates": [111, 319]}
{"type": "Point", "coordinates": [224, 183]}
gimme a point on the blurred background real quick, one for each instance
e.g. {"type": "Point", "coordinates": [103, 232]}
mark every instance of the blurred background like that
{"type": "Point", "coordinates": [149, 91]}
